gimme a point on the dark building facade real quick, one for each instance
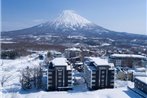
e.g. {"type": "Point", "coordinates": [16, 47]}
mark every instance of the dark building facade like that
{"type": "Point", "coordinates": [59, 75]}
{"type": "Point", "coordinates": [127, 60]}
{"type": "Point", "coordinates": [98, 73]}
{"type": "Point", "coordinates": [141, 83]}
{"type": "Point", "coordinates": [73, 54]}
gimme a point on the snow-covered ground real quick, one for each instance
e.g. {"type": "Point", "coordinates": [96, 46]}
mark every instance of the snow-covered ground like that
{"type": "Point", "coordinates": [105, 93]}
{"type": "Point", "coordinates": [12, 88]}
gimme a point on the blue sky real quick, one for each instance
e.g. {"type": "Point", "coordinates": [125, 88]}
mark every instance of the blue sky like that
{"type": "Point", "coordinates": [117, 15]}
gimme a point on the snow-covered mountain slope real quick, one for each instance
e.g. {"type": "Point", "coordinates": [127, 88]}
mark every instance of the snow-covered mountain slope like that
{"type": "Point", "coordinates": [70, 23]}
{"type": "Point", "coordinates": [69, 18]}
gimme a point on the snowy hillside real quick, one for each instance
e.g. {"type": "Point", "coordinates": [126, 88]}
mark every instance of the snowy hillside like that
{"type": "Point", "coordinates": [12, 87]}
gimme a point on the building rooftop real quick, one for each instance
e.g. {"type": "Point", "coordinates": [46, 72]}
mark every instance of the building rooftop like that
{"type": "Point", "coordinates": [143, 79]}
{"type": "Point", "coordinates": [73, 49]}
{"type": "Point", "coordinates": [99, 61]}
{"type": "Point", "coordinates": [61, 61]}
{"type": "Point", "coordinates": [128, 55]}
{"type": "Point", "coordinates": [53, 52]}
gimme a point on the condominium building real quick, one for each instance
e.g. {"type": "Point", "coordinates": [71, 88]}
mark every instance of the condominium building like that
{"type": "Point", "coordinates": [59, 75]}
{"type": "Point", "coordinates": [141, 84]}
{"type": "Point", "coordinates": [98, 73]}
{"type": "Point", "coordinates": [127, 60]}
{"type": "Point", "coordinates": [73, 54]}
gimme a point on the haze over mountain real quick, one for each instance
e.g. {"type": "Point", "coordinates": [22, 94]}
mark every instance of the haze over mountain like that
{"type": "Point", "coordinates": [70, 23]}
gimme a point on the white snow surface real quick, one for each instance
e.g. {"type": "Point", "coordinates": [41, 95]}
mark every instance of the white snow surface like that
{"type": "Point", "coordinates": [70, 18]}
{"type": "Point", "coordinates": [73, 49]}
{"type": "Point", "coordinates": [143, 79]}
{"type": "Point", "coordinates": [12, 88]}
{"type": "Point", "coordinates": [105, 93]}
{"type": "Point", "coordinates": [128, 55]}
{"type": "Point", "coordinates": [99, 61]}
{"type": "Point", "coordinates": [60, 61]}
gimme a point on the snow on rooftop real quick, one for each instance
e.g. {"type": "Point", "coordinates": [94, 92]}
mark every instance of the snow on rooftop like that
{"type": "Point", "coordinates": [136, 74]}
{"type": "Point", "coordinates": [100, 61]}
{"type": "Point", "coordinates": [61, 61]}
{"type": "Point", "coordinates": [140, 69]}
{"type": "Point", "coordinates": [143, 79]}
{"type": "Point", "coordinates": [73, 49]}
{"type": "Point", "coordinates": [55, 52]}
{"type": "Point", "coordinates": [128, 55]}
{"type": "Point", "coordinates": [79, 63]}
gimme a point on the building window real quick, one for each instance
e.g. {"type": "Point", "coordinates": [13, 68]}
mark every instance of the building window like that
{"type": "Point", "coordinates": [59, 84]}
{"type": "Point", "coordinates": [102, 76]}
{"type": "Point", "coordinates": [93, 84]}
{"type": "Point", "coordinates": [118, 62]}
{"type": "Point", "coordinates": [69, 80]}
{"type": "Point", "coordinates": [59, 77]}
{"type": "Point", "coordinates": [102, 80]}
{"type": "Point", "coordinates": [102, 72]}
{"type": "Point", "coordinates": [111, 84]}
{"type": "Point", "coordinates": [102, 84]}
{"type": "Point", "coordinates": [93, 80]}
{"type": "Point", "coordinates": [102, 68]}
{"type": "Point", "coordinates": [59, 80]}
{"type": "Point", "coordinates": [49, 72]}
{"type": "Point", "coordinates": [69, 84]}
{"type": "Point", "coordinates": [59, 73]}
{"type": "Point", "coordinates": [50, 77]}
{"type": "Point", "coordinates": [94, 73]}
{"type": "Point", "coordinates": [49, 85]}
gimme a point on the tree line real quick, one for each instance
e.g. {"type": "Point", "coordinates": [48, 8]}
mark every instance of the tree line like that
{"type": "Point", "coordinates": [11, 54]}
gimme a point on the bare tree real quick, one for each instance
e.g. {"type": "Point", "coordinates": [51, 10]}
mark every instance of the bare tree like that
{"type": "Point", "coordinates": [26, 79]}
{"type": "Point", "coordinates": [37, 77]}
{"type": "Point", "coordinates": [1, 63]}
{"type": "Point", "coordinates": [5, 77]}
{"type": "Point", "coordinates": [31, 77]}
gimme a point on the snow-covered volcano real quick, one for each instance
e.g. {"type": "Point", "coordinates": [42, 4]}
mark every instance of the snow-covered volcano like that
{"type": "Point", "coordinates": [70, 18]}
{"type": "Point", "coordinates": [69, 23]}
